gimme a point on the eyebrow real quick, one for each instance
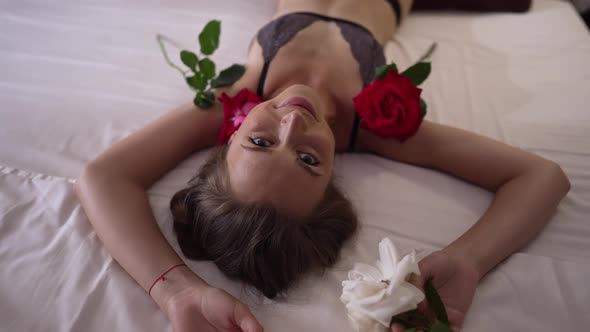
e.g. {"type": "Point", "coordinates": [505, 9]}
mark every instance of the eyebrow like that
{"type": "Point", "coordinates": [298, 161]}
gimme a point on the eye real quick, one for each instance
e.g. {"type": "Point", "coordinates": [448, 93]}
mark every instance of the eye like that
{"type": "Point", "coordinates": [309, 159]}
{"type": "Point", "coordinates": [259, 141]}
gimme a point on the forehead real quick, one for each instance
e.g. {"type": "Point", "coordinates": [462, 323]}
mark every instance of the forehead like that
{"type": "Point", "coordinates": [273, 178]}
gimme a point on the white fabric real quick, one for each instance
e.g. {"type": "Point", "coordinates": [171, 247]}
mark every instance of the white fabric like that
{"type": "Point", "coordinates": [78, 75]}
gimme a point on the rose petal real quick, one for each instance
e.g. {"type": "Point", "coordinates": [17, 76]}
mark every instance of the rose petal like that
{"type": "Point", "coordinates": [235, 110]}
{"type": "Point", "coordinates": [390, 107]}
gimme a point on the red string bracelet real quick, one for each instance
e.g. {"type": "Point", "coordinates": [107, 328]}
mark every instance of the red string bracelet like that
{"type": "Point", "coordinates": [161, 277]}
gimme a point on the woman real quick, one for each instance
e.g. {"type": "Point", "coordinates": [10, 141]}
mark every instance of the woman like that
{"type": "Point", "coordinates": [273, 179]}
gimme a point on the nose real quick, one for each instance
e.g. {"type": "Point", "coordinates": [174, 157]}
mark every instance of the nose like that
{"type": "Point", "coordinates": [292, 124]}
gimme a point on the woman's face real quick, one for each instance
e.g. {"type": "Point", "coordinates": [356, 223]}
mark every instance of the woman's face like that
{"type": "Point", "coordinates": [283, 153]}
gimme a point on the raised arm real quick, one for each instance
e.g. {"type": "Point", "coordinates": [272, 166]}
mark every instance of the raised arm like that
{"type": "Point", "coordinates": [112, 189]}
{"type": "Point", "coordinates": [527, 191]}
{"type": "Point", "coordinates": [528, 188]}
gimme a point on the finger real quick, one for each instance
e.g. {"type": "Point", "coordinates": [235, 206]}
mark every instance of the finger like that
{"type": "Point", "coordinates": [456, 317]}
{"type": "Point", "coordinates": [415, 279]}
{"type": "Point", "coordinates": [245, 320]}
{"type": "Point", "coordinates": [397, 328]}
{"type": "Point", "coordinates": [425, 274]}
{"type": "Point", "coordinates": [423, 307]}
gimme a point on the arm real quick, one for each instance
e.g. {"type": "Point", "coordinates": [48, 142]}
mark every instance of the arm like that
{"type": "Point", "coordinates": [527, 187]}
{"type": "Point", "coordinates": [112, 189]}
{"type": "Point", "coordinates": [527, 190]}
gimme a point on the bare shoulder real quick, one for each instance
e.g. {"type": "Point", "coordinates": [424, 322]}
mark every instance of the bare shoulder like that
{"type": "Point", "coordinates": [151, 151]}
{"type": "Point", "coordinates": [467, 155]}
{"type": "Point", "coordinates": [254, 64]}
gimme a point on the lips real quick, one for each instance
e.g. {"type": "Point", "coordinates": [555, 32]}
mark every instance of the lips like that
{"type": "Point", "coordinates": [302, 103]}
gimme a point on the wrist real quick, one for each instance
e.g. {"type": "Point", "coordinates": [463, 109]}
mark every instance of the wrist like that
{"type": "Point", "coordinates": [176, 281]}
{"type": "Point", "coordinates": [467, 262]}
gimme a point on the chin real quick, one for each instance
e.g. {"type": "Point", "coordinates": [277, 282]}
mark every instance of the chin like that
{"type": "Point", "coordinates": [301, 90]}
{"type": "Point", "coordinates": [307, 92]}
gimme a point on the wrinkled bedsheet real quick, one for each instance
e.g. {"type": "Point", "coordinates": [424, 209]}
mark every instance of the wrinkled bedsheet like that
{"type": "Point", "coordinates": [77, 76]}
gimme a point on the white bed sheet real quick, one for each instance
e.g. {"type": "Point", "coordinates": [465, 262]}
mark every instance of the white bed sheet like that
{"type": "Point", "coordinates": [76, 76]}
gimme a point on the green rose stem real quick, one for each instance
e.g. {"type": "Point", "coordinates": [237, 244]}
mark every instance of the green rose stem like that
{"type": "Point", "coordinates": [428, 53]}
{"type": "Point", "coordinates": [160, 38]}
{"type": "Point", "coordinates": [419, 321]}
{"type": "Point", "coordinates": [200, 75]}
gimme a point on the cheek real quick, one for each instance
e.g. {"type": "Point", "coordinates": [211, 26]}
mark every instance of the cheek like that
{"type": "Point", "coordinates": [327, 143]}
{"type": "Point", "coordinates": [327, 137]}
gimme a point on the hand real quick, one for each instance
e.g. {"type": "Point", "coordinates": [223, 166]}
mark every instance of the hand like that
{"type": "Point", "coordinates": [209, 309]}
{"type": "Point", "coordinates": [454, 278]}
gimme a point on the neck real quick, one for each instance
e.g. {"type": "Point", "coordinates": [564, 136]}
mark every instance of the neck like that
{"type": "Point", "coordinates": [317, 80]}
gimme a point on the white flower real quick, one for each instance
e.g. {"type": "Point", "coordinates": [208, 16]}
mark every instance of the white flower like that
{"type": "Point", "coordinates": [373, 295]}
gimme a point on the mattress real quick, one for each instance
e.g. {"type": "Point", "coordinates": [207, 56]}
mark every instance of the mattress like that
{"type": "Point", "coordinates": [77, 76]}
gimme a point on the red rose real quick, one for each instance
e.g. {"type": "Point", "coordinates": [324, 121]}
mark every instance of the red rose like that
{"type": "Point", "coordinates": [390, 107]}
{"type": "Point", "coordinates": [235, 110]}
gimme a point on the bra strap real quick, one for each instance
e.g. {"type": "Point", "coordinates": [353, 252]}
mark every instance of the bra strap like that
{"type": "Point", "coordinates": [397, 10]}
{"type": "Point", "coordinates": [262, 80]}
{"type": "Point", "coordinates": [354, 133]}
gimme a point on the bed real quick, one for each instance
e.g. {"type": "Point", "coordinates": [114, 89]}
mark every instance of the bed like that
{"type": "Point", "coordinates": [77, 76]}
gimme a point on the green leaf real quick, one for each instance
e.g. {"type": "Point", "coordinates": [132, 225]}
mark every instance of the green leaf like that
{"type": "Point", "coordinates": [197, 81]}
{"type": "Point", "coordinates": [189, 58]}
{"type": "Point", "coordinates": [204, 100]}
{"type": "Point", "coordinates": [228, 76]}
{"type": "Point", "coordinates": [435, 302]}
{"type": "Point", "coordinates": [440, 327]}
{"type": "Point", "coordinates": [418, 73]}
{"type": "Point", "coordinates": [209, 37]}
{"type": "Point", "coordinates": [382, 71]}
{"type": "Point", "coordinates": [423, 108]}
{"type": "Point", "coordinates": [207, 67]}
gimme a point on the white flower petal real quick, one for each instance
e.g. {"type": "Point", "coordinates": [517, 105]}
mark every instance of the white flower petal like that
{"type": "Point", "coordinates": [363, 323]}
{"type": "Point", "coordinates": [388, 258]}
{"type": "Point", "coordinates": [353, 290]}
{"type": "Point", "coordinates": [373, 295]}
{"type": "Point", "coordinates": [404, 269]}
{"type": "Point", "coordinates": [404, 298]}
{"type": "Point", "coordinates": [362, 271]}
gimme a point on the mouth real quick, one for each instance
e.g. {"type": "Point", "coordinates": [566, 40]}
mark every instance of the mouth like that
{"type": "Point", "coordinates": [301, 103]}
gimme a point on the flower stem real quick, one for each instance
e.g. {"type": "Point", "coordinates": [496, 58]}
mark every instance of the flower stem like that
{"type": "Point", "coordinates": [428, 53]}
{"type": "Point", "coordinates": [161, 39]}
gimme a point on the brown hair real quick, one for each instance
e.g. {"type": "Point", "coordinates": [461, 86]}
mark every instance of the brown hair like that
{"type": "Point", "coordinates": [255, 243]}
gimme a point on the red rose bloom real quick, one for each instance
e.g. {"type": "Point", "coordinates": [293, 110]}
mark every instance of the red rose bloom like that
{"type": "Point", "coordinates": [390, 107]}
{"type": "Point", "coordinates": [235, 110]}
